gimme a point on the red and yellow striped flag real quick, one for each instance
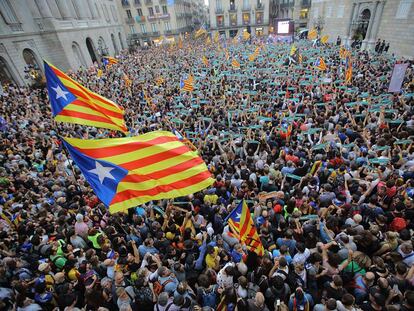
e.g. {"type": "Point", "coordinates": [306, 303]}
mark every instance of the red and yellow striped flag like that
{"type": "Point", "coordinates": [74, 103]}
{"type": "Point", "coordinates": [127, 172]}
{"type": "Point", "coordinates": [180, 42]}
{"type": "Point", "coordinates": [226, 52]}
{"type": "Point", "coordinates": [348, 71]}
{"type": "Point", "coordinates": [216, 37]}
{"type": "Point", "coordinates": [235, 63]}
{"type": "Point", "coordinates": [159, 81]}
{"type": "Point", "coordinates": [324, 39]}
{"type": "Point", "coordinates": [246, 35]}
{"type": "Point", "coordinates": [312, 34]}
{"type": "Point", "coordinates": [241, 223]}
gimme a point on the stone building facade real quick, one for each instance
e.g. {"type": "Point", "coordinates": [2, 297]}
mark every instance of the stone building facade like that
{"type": "Point", "coordinates": [229, 16]}
{"type": "Point", "coordinates": [146, 21]}
{"type": "Point", "coordinates": [297, 10]}
{"type": "Point", "coordinates": [67, 33]}
{"type": "Point", "coordinates": [367, 20]}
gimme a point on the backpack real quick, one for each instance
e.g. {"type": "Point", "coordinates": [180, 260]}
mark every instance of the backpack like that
{"type": "Point", "coordinates": [398, 224]}
{"type": "Point", "coordinates": [244, 174]}
{"type": "Point", "coordinates": [209, 298]}
{"type": "Point", "coordinates": [159, 287]}
{"type": "Point", "coordinates": [253, 288]}
{"type": "Point", "coordinates": [348, 276]}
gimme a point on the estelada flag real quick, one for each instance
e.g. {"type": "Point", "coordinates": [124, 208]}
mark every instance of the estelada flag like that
{"type": "Point", "coordinates": [73, 103]}
{"type": "Point", "coordinates": [127, 172]}
{"type": "Point", "coordinates": [109, 60]}
{"type": "Point", "coordinates": [241, 223]}
{"type": "Point", "coordinates": [320, 64]}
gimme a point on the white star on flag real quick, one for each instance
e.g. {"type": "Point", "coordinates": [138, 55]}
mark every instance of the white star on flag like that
{"type": "Point", "coordinates": [102, 172]}
{"type": "Point", "coordinates": [59, 92]}
{"type": "Point", "coordinates": [238, 215]}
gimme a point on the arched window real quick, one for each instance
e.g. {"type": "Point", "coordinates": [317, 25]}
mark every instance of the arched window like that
{"type": "Point", "coordinates": [77, 53]}
{"type": "Point", "coordinates": [114, 44]}
{"type": "Point", "coordinates": [6, 76]}
{"type": "Point", "coordinates": [120, 40]}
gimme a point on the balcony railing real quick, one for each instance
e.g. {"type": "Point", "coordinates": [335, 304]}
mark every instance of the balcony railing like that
{"type": "Point", "coordinates": [140, 19]}
{"type": "Point", "coordinates": [155, 33]}
{"type": "Point", "coordinates": [137, 2]}
{"type": "Point", "coordinates": [168, 32]}
{"type": "Point", "coordinates": [125, 3]}
{"type": "Point", "coordinates": [232, 8]}
{"type": "Point", "coordinates": [129, 20]}
{"type": "Point", "coordinates": [219, 10]}
{"type": "Point", "coordinates": [148, 2]}
{"type": "Point", "coordinates": [246, 7]}
{"type": "Point", "coordinates": [259, 6]}
{"type": "Point", "coordinates": [159, 16]}
{"type": "Point", "coordinates": [306, 3]}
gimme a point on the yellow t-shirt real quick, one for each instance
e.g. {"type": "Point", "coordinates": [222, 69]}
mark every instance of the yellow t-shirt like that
{"type": "Point", "coordinates": [211, 198]}
{"type": "Point", "coordinates": [211, 259]}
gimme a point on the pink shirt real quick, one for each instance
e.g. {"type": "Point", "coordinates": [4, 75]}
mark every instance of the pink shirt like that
{"type": "Point", "coordinates": [81, 229]}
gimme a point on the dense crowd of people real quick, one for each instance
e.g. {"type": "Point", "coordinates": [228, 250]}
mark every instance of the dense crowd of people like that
{"type": "Point", "coordinates": [326, 168]}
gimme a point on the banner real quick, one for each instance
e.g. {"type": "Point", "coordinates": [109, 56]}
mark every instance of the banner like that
{"type": "Point", "coordinates": [397, 77]}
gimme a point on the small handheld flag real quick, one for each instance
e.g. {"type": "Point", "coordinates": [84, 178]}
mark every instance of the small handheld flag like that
{"type": "Point", "coordinates": [241, 223]}
{"type": "Point", "coordinates": [312, 34]}
{"type": "Point", "coordinates": [127, 172]}
{"type": "Point", "coordinates": [235, 64]}
{"type": "Point", "coordinates": [324, 39]}
{"type": "Point", "coordinates": [109, 60]}
{"type": "Point", "coordinates": [73, 103]}
{"type": "Point", "coordinates": [205, 61]}
{"type": "Point", "coordinates": [187, 84]}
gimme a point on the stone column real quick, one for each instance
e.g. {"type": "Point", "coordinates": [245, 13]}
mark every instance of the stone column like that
{"type": "Point", "coordinates": [44, 9]}
{"type": "Point", "coordinates": [366, 43]}
{"type": "Point", "coordinates": [377, 21]}
{"type": "Point", "coordinates": [354, 15]}
{"type": "Point", "coordinates": [34, 9]}
{"type": "Point", "coordinates": [54, 9]}
{"type": "Point", "coordinates": [64, 9]}
{"type": "Point", "coordinates": [80, 8]}
{"type": "Point", "coordinates": [92, 9]}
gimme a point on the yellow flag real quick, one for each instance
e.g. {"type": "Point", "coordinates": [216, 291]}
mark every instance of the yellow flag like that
{"type": "Point", "coordinates": [205, 61]}
{"type": "Point", "coordinates": [235, 64]}
{"type": "Point", "coordinates": [216, 37]}
{"type": "Point", "coordinates": [252, 57]}
{"type": "Point", "coordinates": [246, 35]}
{"type": "Point", "coordinates": [208, 41]}
{"type": "Point", "coordinates": [312, 34]}
{"type": "Point", "coordinates": [324, 39]}
{"type": "Point", "coordinates": [99, 73]}
{"type": "Point", "coordinates": [227, 54]}
{"type": "Point", "coordinates": [293, 50]}
{"type": "Point", "coordinates": [180, 42]}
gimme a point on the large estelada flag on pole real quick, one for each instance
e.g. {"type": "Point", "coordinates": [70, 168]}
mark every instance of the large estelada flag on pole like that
{"type": "Point", "coordinates": [241, 223]}
{"type": "Point", "coordinates": [397, 78]}
{"type": "Point", "coordinates": [73, 103]}
{"type": "Point", "coordinates": [127, 172]}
